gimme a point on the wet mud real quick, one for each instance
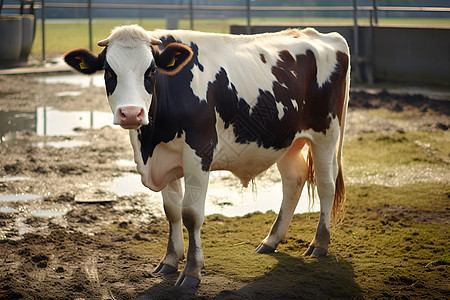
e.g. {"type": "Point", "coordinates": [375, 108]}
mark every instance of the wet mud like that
{"type": "Point", "coordinates": [68, 231]}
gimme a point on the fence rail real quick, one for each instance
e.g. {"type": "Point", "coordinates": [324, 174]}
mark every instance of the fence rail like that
{"type": "Point", "coordinates": [248, 8]}
{"type": "Point", "coordinates": [232, 7]}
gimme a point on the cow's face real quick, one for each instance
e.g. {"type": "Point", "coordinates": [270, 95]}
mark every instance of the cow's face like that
{"type": "Point", "coordinates": [130, 60]}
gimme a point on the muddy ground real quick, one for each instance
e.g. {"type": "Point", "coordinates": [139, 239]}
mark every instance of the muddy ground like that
{"type": "Point", "coordinates": [77, 240]}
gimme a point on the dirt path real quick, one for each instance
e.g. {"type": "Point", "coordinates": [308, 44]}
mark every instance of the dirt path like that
{"type": "Point", "coordinates": [57, 246]}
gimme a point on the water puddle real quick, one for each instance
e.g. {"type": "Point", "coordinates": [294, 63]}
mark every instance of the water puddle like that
{"type": "Point", "coordinates": [228, 201]}
{"type": "Point", "coordinates": [18, 197]}
{"type": "Point", "coordinates": [53, 122]}
{"type": "Point", "coordinates": [7, 210]}
{"type": "Point", "coordinates": [69, 93]}
{"type": "Point", "coordinates": [47, 121]}
{"type": "Point", "coordinates": [83, 81]}
{"type": "Point", "coordinates": [29, 214]}
{"type": "Point", "coordinates": [61, 144]}
{"type": "Point", "coordinates": [127, 185]}
{"type": "Point", "coordinates": [48, 213]}
{"type": "Point", "coordinates": [233, 202]}
{"type": "Point", "coordinates": [125, 163]}
{"type": "Point", "coordinates": [14, 178]}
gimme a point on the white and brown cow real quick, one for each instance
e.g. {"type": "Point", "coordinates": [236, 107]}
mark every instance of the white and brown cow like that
{"type": "Point", "coordinates": [197, 102]}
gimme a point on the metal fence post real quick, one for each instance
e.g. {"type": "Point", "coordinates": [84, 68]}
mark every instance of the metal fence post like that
{"type": "Point", "coordinates": [249, 28]}
{"type": "Point", "coordinates": [191, 13]}
{"type": "Point", "coordinates": [375, 11]}
{"type": "Point", "coordinates": [355, 56]}
{"type": "Point", "coordinates": [90, 23]}
{"type": "Point", "coordinates": [43, 29]}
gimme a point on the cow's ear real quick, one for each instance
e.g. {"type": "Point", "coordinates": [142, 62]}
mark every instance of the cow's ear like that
{"type": "Point", "coordinates": [84, 61]}
{"type": "Point", "coordinates": [173, 58]}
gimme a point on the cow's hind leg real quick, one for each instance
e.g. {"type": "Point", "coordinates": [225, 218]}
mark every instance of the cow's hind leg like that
{"type": "Point", "coordinates": [294, 172]}
{"type": "Point", "coordinates": [172, 198]}
{"type": "Point", "coordinates": [326, 169]}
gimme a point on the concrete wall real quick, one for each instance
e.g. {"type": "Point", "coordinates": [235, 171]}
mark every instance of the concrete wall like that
{"type": "Point", "coordinates": [402, 54]}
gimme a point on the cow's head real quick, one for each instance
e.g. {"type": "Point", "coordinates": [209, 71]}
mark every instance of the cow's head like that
{"type": "Point", "coordinates": [131, 59]}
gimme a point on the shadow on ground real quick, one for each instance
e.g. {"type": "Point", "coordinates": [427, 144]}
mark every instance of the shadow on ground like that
{"type": "Point", "coordinates": [291, 277]}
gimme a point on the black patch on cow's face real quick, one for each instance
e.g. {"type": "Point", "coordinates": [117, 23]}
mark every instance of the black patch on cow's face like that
{"type": "Point", "coordinates": [149, 78]}
{"type": "Point", "coordinates": [110, 79]}
{"type": "Point", "coordinates": [176, 110]}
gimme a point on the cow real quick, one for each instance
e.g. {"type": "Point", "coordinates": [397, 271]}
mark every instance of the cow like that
{"type": "Point", "coordinates": [197, 102]}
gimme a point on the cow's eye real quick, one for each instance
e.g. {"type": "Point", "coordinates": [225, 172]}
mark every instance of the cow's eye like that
{"type": "Point", "coordinates": [110, 79]}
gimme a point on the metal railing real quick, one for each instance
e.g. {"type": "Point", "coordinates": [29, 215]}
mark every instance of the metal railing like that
{"type": "Point", "coordinates": [248, 8]}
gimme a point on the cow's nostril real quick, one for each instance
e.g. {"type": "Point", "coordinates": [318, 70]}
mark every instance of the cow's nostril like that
{"type": "Point", "coordinates": [141, 114]}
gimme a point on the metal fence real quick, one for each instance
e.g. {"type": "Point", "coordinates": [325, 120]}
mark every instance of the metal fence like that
{"type": "Point", "coordinates": [371, 10]}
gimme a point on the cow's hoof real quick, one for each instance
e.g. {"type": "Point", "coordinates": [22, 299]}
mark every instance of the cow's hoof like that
{"type": "Point", "coordinates": [263, 249]}
{"type": "Point", "coordinates": [165, 269]}
{"type": "Point", "coordinates": [315, 252]}
{"type": "Point", "coordinates": [187, 281]}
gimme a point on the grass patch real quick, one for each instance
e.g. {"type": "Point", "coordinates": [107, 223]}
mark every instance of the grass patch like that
{"type": "Point", "coordinates": [394, 241]}
{"type": "Point", "coordinates": [397, 148]}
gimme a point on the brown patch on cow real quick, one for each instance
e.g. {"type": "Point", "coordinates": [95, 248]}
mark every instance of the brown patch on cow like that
{"type": "Point", "coordinates": [263, 58]}
{"type": "Point", "coordinates": [297, 80]}
{"type": "Point", "coordinates": [339, 83]}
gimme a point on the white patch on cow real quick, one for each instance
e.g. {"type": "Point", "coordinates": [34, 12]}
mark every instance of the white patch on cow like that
{"type": "Point", "coordinates": [330, 137]}
{"type": "Point", "coordinates": [294, 103]}
{"type": "Point", "coordinates": [245, 71]}
{"type": "Point", "coordinates": [164, 166]}
{"type": "Point", "coordinates": [200, 89]}
{"type": "Point", "coordinates": [246, 160]}
{"type": "Point", "coordinates": [324, 48]}
{"type": "Point", "coordinates": [280, 108]}
{"type": "Point", "coordinates": [129, 55]}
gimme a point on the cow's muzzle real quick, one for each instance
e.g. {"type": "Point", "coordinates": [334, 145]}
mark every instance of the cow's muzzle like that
{"type": "Point", "coordinates": [130, 117]}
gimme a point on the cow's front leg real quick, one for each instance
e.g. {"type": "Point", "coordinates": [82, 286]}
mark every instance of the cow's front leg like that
{"type": "Point", "coordinates": [193, 213]}
{"type": "Point", "coordinates": [172, 198]}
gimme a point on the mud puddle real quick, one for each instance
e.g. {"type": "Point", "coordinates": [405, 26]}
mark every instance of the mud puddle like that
{"type": "Point", "coordinates": [83, 81]}
{"type": "Point", "coordinates": [230, 201]}
{"type": "Point", "coordinates": [29, 213]}
{"type": "Point", "coordinates": [51, 122]}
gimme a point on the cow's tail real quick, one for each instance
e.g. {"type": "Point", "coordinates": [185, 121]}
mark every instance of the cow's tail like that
{"type": "Point", "coordinates": [337, 210]}
{"type": "Point", "coordinates": [310, 179]}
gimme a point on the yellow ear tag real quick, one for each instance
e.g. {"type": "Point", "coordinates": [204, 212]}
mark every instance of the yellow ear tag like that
{"type": "Point", "coordinates": [83, 65]}
{"type": "Point", "coordinates": [171, 62]}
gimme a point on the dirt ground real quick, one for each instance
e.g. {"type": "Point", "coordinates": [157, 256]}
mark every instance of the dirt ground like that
{"type": "Point", "coordinates": [89, 251]}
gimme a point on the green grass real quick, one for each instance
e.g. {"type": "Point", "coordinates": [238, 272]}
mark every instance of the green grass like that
{"type": "Point", "coordinates": [393, 241]}
{"type": "Point", "coordinates": [63, 37]}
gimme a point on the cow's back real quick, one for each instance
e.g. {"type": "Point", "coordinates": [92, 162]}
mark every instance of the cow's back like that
{"type": "Point", "coordinates": [266, 90]}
